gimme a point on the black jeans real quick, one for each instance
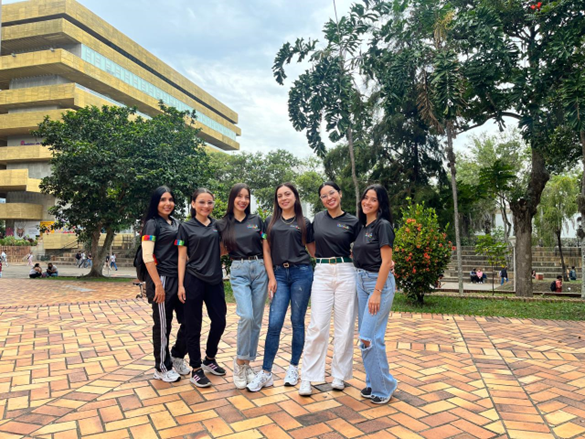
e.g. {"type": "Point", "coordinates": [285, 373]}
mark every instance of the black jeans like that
{"type": "Point", "coordinates": [197, 292]}
{"type": "Point", "coordinates": [162, 315]}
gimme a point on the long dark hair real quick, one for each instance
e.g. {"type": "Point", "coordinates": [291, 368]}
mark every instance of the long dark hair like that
{"type": "Point", "coordinates": [384, 210]}
{"type": "Point", "coordinates": [196, 193]}
{"type": "Point", "coordinates": [277, 214]}
{"type": "Point", "coordinates": [152, 211]}
{"type": "Point", "coordinates": [227, 234]}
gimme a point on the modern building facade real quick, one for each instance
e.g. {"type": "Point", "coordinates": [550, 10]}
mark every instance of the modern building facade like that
{"type": "Point", "coordinates": [56, 55]}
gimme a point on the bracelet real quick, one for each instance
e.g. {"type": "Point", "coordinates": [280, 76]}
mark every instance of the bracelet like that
{"type": "Point", "coordinates": [379, 291]}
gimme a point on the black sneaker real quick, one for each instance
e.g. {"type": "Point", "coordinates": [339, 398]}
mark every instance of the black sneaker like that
{"type": "Point", "coordinates": [366, 393]}
{"type": "Point", "coordinates": [379, 400]}
{"type": "Point", "coordinates": [199, 379]}
{"type": "Point", "coordinates": [211, 366]}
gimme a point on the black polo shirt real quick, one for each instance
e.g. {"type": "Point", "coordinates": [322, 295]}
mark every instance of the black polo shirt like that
{"type": "Point", "coordinates": [333, 236]}
{"type": "Point", "coordinates": [366, 248]}
{"type": "Point", "coordinates": [165, 252]}
{"type": "Point", "coordinates": [202, 244]}
{"type": "Point", "coordinates": [286, 242]}
{"type": "Point", "coordinates": [249, 234]}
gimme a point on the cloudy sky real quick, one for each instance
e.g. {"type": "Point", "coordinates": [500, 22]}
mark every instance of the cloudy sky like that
{"type": "Point", "coordinates": [227, 47]}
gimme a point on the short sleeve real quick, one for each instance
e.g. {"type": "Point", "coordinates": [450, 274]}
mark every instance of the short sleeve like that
{"type": "Point", "coordinates": [149, 231]}
{"type": "Point", "coordinates": [309, 225]}
{"type": "Point", "coordinates": [262, 227]}
{"type": "Point", "coordinates": [181, 236]}
{"type": "Point", "coordinates": [385, 234]}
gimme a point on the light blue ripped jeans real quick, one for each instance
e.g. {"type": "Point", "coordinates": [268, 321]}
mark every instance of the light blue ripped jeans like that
{"type": "Point", "coordinates": [372, 328]}
{"type": "Point", "coordinates": [250, 286]}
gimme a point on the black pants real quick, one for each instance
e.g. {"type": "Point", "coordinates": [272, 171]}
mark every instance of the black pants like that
{"type": "Point", "coordinates": [162, 315]}
{"type": "Point", "coordinates": [198, 292]}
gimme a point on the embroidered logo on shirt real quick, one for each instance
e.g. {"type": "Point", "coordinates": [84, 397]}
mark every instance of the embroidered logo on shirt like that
{"type": "Point", "coordinates": [252, 226]}
{"type": "Point", "coordinates": [343, 226]}
{"type": "Point", "coordinates": [368, 235]}
{"type": "Point", "coordinates": [294, 226]}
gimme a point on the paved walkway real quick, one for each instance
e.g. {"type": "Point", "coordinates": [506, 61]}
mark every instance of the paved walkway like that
{"type": "Point", "coordinates": [77, 362]}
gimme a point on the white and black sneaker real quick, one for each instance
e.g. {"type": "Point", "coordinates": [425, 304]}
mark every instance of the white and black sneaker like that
{"type": "Point", "coordinates": [170, 376]}
{"type": "Point", "coordinates": [199, 379]}
{"type": "Point", "coordinates": [366, 393]}
{"type": "Point", "coordinates": [379, 400]}
{"type": "Point", "coordinates": [180, 367]}
{"type": "Point", "coordinates": [292, 376]}
{"type": "Point", "coordinates": [212, 367]}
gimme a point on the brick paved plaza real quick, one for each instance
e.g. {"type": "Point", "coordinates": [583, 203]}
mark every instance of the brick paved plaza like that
{"type": "Point", "coordinates": [77, 362]}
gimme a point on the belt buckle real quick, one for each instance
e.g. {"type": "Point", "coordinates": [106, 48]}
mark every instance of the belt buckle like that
{"type": "Point", "coordinates": [286, 265]}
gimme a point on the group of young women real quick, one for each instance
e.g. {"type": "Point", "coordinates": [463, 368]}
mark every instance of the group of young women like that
{"type": "Point", "coordinates": [353, 275]}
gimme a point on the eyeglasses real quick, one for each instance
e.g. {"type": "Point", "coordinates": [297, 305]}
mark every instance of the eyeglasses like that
{"type": "Point", "coordinates": [329, 195]}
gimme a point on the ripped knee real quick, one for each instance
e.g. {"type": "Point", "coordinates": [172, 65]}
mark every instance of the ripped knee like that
{"type": "Point", "coordinates": [365, 343]}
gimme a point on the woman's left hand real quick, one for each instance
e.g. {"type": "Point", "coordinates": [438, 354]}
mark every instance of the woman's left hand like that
{"type": "Point", "coordinates": [374, 303]}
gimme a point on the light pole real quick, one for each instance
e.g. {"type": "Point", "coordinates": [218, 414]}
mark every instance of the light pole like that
{"type": "Point", "coordinates": [581, 237]}
{"type": "Point", "coordinates": [512, 240]}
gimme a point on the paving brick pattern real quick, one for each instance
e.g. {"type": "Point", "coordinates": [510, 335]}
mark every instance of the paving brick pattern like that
{"type": "Point", "coordinates": [76, 361]}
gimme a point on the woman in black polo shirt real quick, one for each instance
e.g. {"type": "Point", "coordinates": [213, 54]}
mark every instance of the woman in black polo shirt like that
{"type": "Point", "coordinates": [372, 257]}
{"type": "Point", "coordinates": [160, 257]}
{"type": "Point", "coordinates": [290, 276]}
{"type": "Point", "coordinates": [242, 235]}
{"type": "Point", "coordinates": [201, 280]}
{"type": "Point", "coordinates": [333, 289]}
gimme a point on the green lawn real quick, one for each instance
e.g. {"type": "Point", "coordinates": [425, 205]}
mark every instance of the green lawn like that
{"type": "Point", "coordinates": [573, 310]}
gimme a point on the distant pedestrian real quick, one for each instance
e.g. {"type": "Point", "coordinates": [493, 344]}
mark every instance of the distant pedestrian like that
{"type": "Point", "coordinates": [504, 275]}
{"type": "Point", "coordinates": [113, 261]}
{"type": "Point", "coordinates": [29, 258]}
{"type": "Point", "coordinates": [4, 258]}
{"type": "Point", "coordinates": [557, 285]}
{"type": "Point", "coordinates": [35, 271]}
{"type": "Point", "coordinates": [89, 261]}
{"type": "Point", "coordinates": [573, 274]}
{"type": "Point", "coordinates": [77, 258]}
{"type": "Point", "coordinates": [0, 268]}
{"type": "Point", "coordinates": [82, 260]}
{"type": "Point", "coordinates": [52, 270]}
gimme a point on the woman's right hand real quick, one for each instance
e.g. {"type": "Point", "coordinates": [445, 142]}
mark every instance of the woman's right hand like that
{"type": "Point", "coordinates": [271, 288]}
{"type": "Point", "coordinates": [159, 293]}
{"type": "Point", "coordinates": [182, 295]}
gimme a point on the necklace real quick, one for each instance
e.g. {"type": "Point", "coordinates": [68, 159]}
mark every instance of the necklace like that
{"type": "Point", "coordinates": [288, 221]}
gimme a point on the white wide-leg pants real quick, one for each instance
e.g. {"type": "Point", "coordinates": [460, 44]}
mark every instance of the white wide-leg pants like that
{"type": "Point", "coordinates": [334, 289]}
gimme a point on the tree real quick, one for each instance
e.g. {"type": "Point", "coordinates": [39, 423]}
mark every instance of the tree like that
{"type": "Point", "coordinates": [105, 163]}
{"type": "Point", "coordinates": [557, 208]}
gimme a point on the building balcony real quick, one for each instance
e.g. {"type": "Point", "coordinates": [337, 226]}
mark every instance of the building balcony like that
{"type": "Point", "coordinates": [13, 124]}
{"type": "Point", "coordinates": [21, 211]}
{"type": "Point", "coordinates": [24, 154]}
{"type": "Point", "coordinates": [14, 180]}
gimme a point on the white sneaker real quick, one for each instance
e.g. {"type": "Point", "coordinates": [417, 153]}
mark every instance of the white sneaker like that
{"type": "Point", "coordinates": [338, 384]}
{"type": "Point", "coordinates": [250, 374]}
{"type": "Point", "coordinates": [170, 376]}
{"type": "Point", "coordinates": [180, 367]}
{"type": "Point", "coordinates": [305, 388]}
{"type": "Point", "coordinates": [263, 379]}
{"type": "Point", "coordinates": [292, 376]}
{"type": "Point", "coordinates": [239, 375]}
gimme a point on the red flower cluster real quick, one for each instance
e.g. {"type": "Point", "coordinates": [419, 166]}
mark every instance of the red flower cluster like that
{"type": "Point", "coordinates": [536, 6]}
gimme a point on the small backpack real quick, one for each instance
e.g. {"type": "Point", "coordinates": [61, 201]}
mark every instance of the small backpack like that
{"type": "Point", "coordinates": [141, 271]}
{"type": "Point", "coordinates": [553, 286]}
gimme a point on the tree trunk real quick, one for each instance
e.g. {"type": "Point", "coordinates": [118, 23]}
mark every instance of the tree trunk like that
{"type": "Point", "coordinates": [523, 210]}
{"type": "Point", "coordinates": [451, 158]}
{"type": "Point", "coordinates": [99, 253]}
{"type": "Point", "coordinates": [563, 267]}
{"type": "Point", "coordinates": [581, 202]}
{"type": "Point", "coordinates": [353, 172]}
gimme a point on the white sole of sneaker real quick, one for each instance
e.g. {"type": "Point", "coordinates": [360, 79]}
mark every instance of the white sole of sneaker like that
{"type": "Point", "coordinates": [198, 384]}
{"type": "Point", "coordinates": [161, 378]}
{"type": "Point", "coordinates": [211, 370]}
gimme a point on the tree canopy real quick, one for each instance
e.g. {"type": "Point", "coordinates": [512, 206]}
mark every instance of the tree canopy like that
{"type": "Point", "coordinates": [106, 162]}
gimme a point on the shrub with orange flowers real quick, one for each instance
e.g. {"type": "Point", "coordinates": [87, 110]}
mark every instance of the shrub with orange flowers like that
{"type": "Point", "coordinates": [421, 252]}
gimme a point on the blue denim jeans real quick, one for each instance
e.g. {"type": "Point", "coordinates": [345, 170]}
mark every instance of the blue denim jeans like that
{"type": "Point", "coordinates": [372, 328]}
{"type": "Point", "coordinates": [294, 287]}
{"type": "Point", "coordinates": [250, 286]}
